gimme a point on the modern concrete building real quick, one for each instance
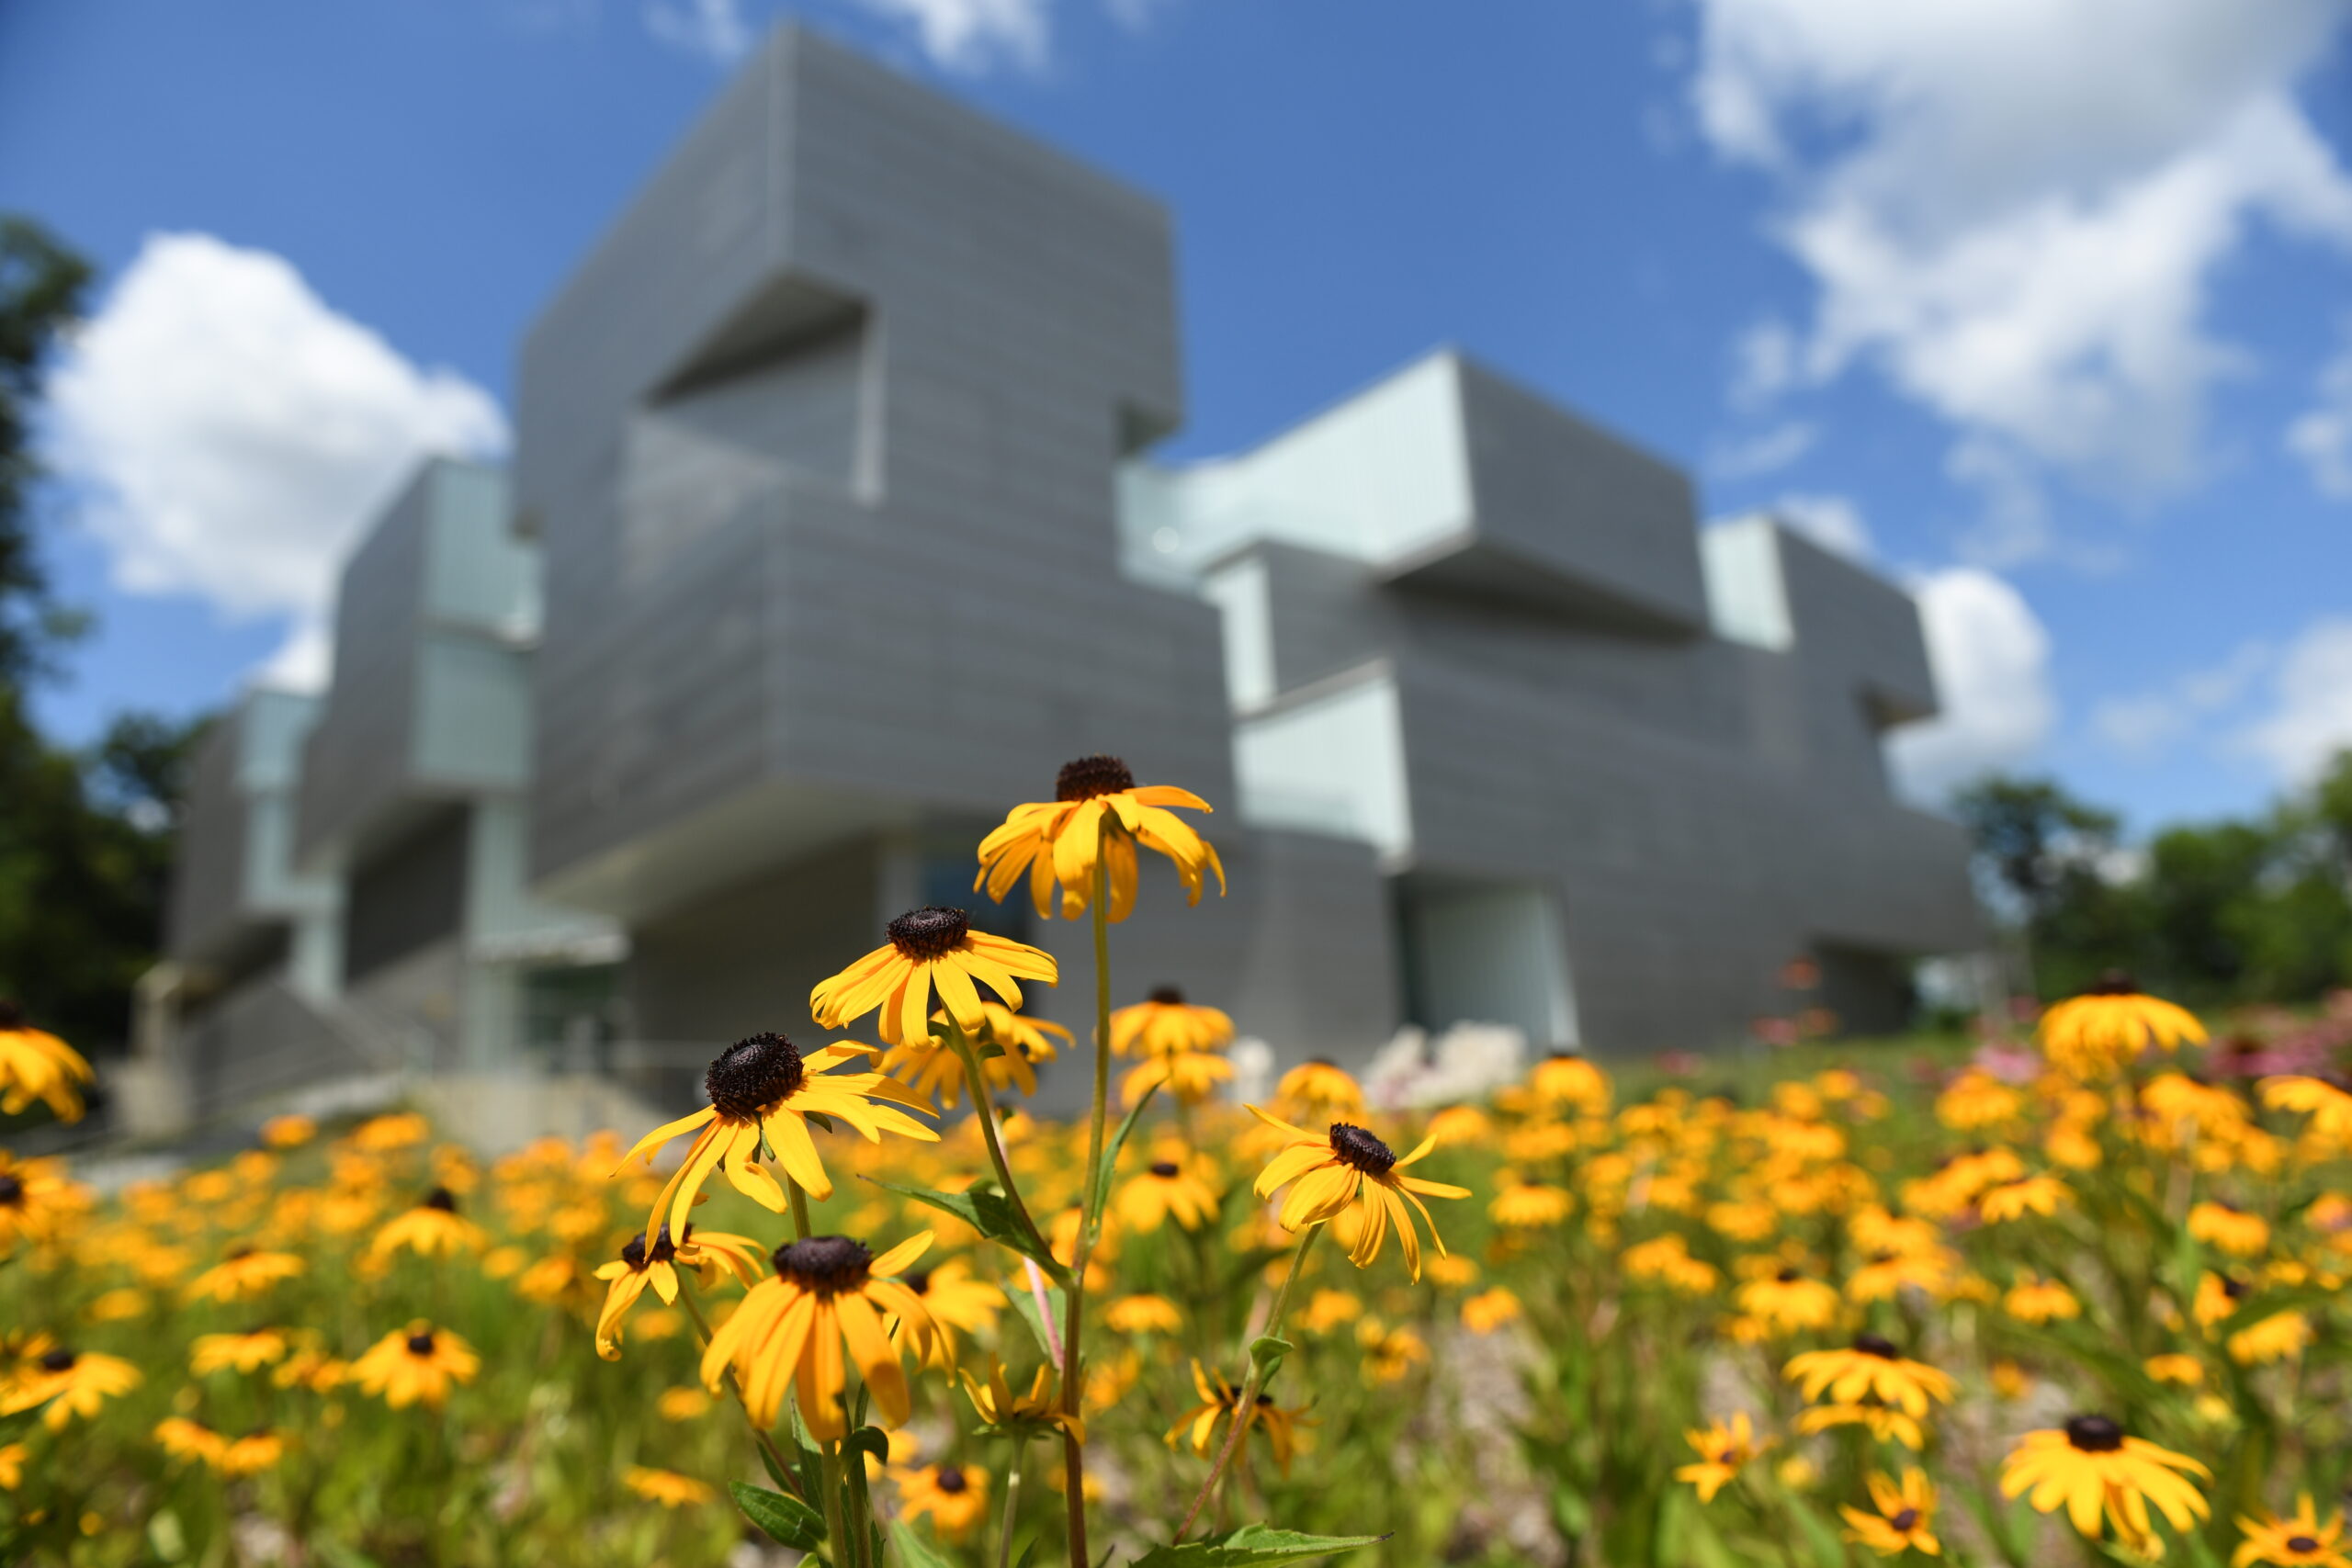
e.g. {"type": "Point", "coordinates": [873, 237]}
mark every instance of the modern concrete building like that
{"type": "Point", "coordinates": [833, 531]}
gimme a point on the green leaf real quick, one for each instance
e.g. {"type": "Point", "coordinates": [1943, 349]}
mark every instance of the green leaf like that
{"type": "Point", "coordinates": [787, 1521]}
{"type": "Point", "coordinates": [1111, 1155]}
{"type": "Point", "coordinates": [1251, 1543]}
{"type": "Point", "coordinates": [868, 1439]}
{"type": "Point", "coordinates": [913, 1551]}
{"type": "Point", "coordinates": [993, 1215]}
{"type": "Point", "coordinates": [1820, 1540]}
{"type": "Point", "coordinates": [775, 1472]}
{"type": "Point", "coordinates": [1267, 1351]}
{"type": "Point", "coordinates": [1027, 1552]}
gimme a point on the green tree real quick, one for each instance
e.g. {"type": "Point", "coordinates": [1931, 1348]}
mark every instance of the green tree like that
{"type": "Point", "coordinates": [41, 287]}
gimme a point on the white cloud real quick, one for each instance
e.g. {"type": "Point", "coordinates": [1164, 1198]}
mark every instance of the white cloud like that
{"type": "Point", "coordinates": [2323, 436]}
{"type": "Point", "coordinates": [2311, 717]}
{"type": "Point", "coordinates": [2148, 723]}
{"type": "Point", "coordinates": [713, 28]}
{"type": "Point", "coordinates": [1833, 522]}
{"type": "Point", "coordinates": [1765, 452]}
{"type": "Point", "coordinates": [2015, 208]}
{"type": "Point", "coordinates": [238, 434]}
{"type": "Point", "coordinates": [970, 35]}
{"type": "Point", "coordinates": [1991, 655]}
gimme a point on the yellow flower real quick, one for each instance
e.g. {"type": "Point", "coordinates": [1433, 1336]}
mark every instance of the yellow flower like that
{"type": "Point", "coordinates": [2089, 1467]}
{"type": "Point", "coordinates": [550, 1280]}
{"type": "Point", "coordinates": [1789, 1302]}
{"type": "Point", "coordinates": [1190, 1075]}
{"type": "Point", "coordinates": [628, 1276]}
{"type": "Point", "coordinates": [1723, 1448]}
{"type": "Point", "coordinates": [70, 1384]}
{"type": "Point", "coordinates": [240, 1352]}
{"type": "Point", "coordinates": [1218, 1398]}
{"type": "Point", "coordinates": [1873, 1367]}
{"type": "Point", "coordinates": [955, 1300]}
{"type": "Point", "coordinates": [1326, 1310]}
{"type": "Point", "coordinates": [1097, 813]}
{"type": "Point", "coordinates": [2328, 1104]}
{"type": "Point", "coordinates": [1977, 1099]}
{"type": "Point", "coordinates": [2232, 1229]}
{"type": "Point", "coordinates": [1667, 1258]}
{"type": "Point", "coordinates": [415, 1364]}
{"type": "Point", "coordinates": [2034, 1195]}
{"type": "Point", "coordinates": [2009, 1380]}
{"type": "Point", "coordinates": [382, 1135]}
{"type": "Point", "coordinates": [2274, 1338]}
{"type": "Point", "coordinates": [1318, 1087]}
{"type": "Point", "coordinates": [682, 1404]}
{"type": "Point", "coordinates": [289, 1132]}
{"type": "Point", "coordinates": [12, 1465]}
{"type": "Point", "coordinates": [827, 1291]}
{"type": "Point", "coordinates": [762, 1091]}
{"type": "Point", "coordinates": [2297, 1542]}
{"type": "Point", "coordinates": [1886, 1423]}
{"type": "Point", "coordinates": [2185, 1370]}
{"type": "Point", "coordinates": [1164, 1024]}
{"type": "Point", "coordinates": [1530, 1204]}
{"type": "Point", "coordinates": [1903, 1517]}
{"type": "Point", "coordinates": [1565, 1080]}
{"type": "Point", "coordinates": [186, 1440]}
{"type": "Point", "coordinates": [1144, 1314]}
{"type": "Point", "coordinates": [1349, 1168]}
{"type": "Point", "coordinates": [1459, 1124]}
{"type": "Point", "coordinates": [1165, 1188]}
{"type": "Point", "coordinates": [2218, 1296]}
{"type": "Point", "coordinates": [1028, 1414]}
{"type": "Point", "coordinates": [1008, 1044]}
{"type": "Point", "coordinates": [2109, 1024]}
{"type": "Point", "coordinates": [956, 1496]}
{"type": "Point", "coordinates": [434, 1228]}
{"type": "Point", "coordinates": [2033, 1299]}
{"type": "Point", "coordinates": [118, 1305]}
{"type": "Point", "coordinates": [251, 1454]}
{"type": "Point", "coordinates": [34, 1196]}
{"type": "Point", "coordinates": [931, 948]}
{"type": "Point", "coordinates": [667, 1487]}
{"type": "Point", "coordinates": [37, 1065]}
{"type": "Point", "coordinates": [1489, 1310]}
{"type": "Point", "coordinates": [1389, 1353]}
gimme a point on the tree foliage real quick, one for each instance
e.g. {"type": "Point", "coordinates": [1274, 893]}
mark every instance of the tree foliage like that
{"type": "Point", "coordinates": [2249, 910]}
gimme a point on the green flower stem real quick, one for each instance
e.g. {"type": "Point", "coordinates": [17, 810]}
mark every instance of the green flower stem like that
{"type": "Point", "coordinates": [1074, 1452]}
{"type": "Point", "coordinates": [1012, 1506]}
{"type": "Point", "coordinates": [1245, 1408]}
{"type": "Point", "coordinates": [702, 1331]}
{"type": "Point", "coordinates": [840, 1549]}
{"type": "Point", "coordinates": [962, 1046]}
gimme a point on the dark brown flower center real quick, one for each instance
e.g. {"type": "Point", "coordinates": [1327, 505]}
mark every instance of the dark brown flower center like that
{"type": "Point", "coordinates": [633, 1254]}
{"type": "Point", "coordinates": [1905, 1519]}
{"type": "Point", "coordinates": [2094, 1434]}
{"type": "Point", "coordinates": [664, 1249]}
{"type": "Point", "coordinates": [441, 1197]}
{"type": "Point", "coordinates": [1787, 1276]}
{"type": "Point", "coordinates": [1167, 995]}
{"type": "Point", "coordinates": [825, 1264]}
{"type": "Point", "coordinates": [58, 1360]}
{"type": "Point", "coordinates": [1090, 776]}
{"type": "Point", "coordinates": [951, 1480]}
{"type": "Point", "coordinates": [239, 1251]}
{"type": "Point", "coordinates": [2236, 1289]}
{"type": "Point", "coordinates": [752, 1075]}
{"type": "Point", "coordinates": [11, 1017]}
{"type": "Point", "coordinates": [918, 1283]}
{"type": "Point", "coordinates": [1164, 1169]}
{"type": "Point", "coordinates": [421, 1344]}
{"type": "Point", "coordinates": [932, 931]}
{"type": "Point", "coordinates": [1361, 1150]}
{"type": "Point", "coordinates": [2114, 983]}
{"type": "Point", "coordinates": [12, 1191]}
{"type": "Point", "coordinates": [2299, 1543]}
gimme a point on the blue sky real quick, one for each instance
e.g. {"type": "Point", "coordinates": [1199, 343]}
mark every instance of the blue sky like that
{"type": "Point", "coordinates": [2066, 342]}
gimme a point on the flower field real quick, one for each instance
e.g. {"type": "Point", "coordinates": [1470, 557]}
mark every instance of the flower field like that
{"type": "Point", "coordinates": [2076, 1301]}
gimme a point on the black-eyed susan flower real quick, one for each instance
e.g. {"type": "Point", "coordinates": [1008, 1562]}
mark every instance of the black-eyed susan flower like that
{"type": "Point", "coordinates": [236, 1352]}
{"type": "Point", "coordinates": [1390, 1352]}
{"type": "Point", "coordinates": [37, 1065]}
{"type": "Point", "coordinates": [1008, 1044]}
{"type": "Point", "coordinates": [1098, 815]}
{"type": "Point", "coordinates": [931, 948]}
{"type": "Point", "coordinates": [956, 1496]}
{"type": "Point", "coordinates": [2230, 1228]}
{"type": "Point", "coordinates": [1789, 1302]}
{"type": "Point", "coordinates": [1349, 1168]}
{"type": "Point", "coordinates": [1164, 1024]}
{"type": "Point", "coordinates": [2015, 1199]}
{"type": "Point", "coordinates": [1884, 1422]}
{"type": "Point", "coordinates": [1976, 1098]}
{"type": "Point", "coordinates": [12, 1465]}
{"type": "Point", "coordinates": [2091, 1468]}
{"type": "Point", "coordinates": [1190, 1075]}
{"type": "Point", "coordinates": [2273, 1338]}
{"type": "Point", "coordinates": [1326, 1310]}
{"type": "Point", "coordinates": [2327, 1102]}
{"type": "Point", "coordinates": [682, 1404]}
{"type": "Point", "coordinates": [188, 1440]}
{"type": "Point", "coordinates": [1566, 1081]}
{"type": "Point", "coordinates": [1457, 1125]}
{"type": "Point", "coordinates": [2298, 1541]}
{"type": "Point", "coordinates": [1528, 1203]}
{"type": "Point", "coordinates": [1489, 1310]}
{"type": "Point", "coordinates": [289, 1132]}
{"type": "Point", "coordinates": [415, 1365]}
{"type": "Point", "coordinates": [762, 1092]}
{"type": "Point", "coordinates": [1035, 1414]}
{"type": "Point", "coordinates": [433, 1228]}
{"type": "Point", "coordinates": [667, 1487]}
{"type": "Point", "coordinates": [1724, 1449]}
{"type": "Point", "coordinates": [1667, 1259]}
{"type": "Point", "coordinates": [1175, 1185]}
{"type": "Point", "coordinates": [2111, 1023]}
{"type": "Point", "coordinates": [1872, 1366]}
{"type": "Point", "coordinates": [1319, 1087]}
{"type": "Point", "coordinates": [63, 1384]}
{"type": "Point", "coordinates": [627, 1278]}
{"type": "Point", "coordinates": [1144, 1314]}
{"type": "Point", "coordinates": [1901, 1517]}
{"type": "Point", "coordinates": [2174, 1367]}
{"type": "Point", "coordinates": [34, 1196]}
{"type": "Point", "coordinates": [828, 1292]}
{"type": "Point", "coordinates": [958, 1300]}
{"type": "Point", "coordinates": [2036, 1300]}
{"type": "Point", "coordinates": [250, 1454]}
{"type": "Point", "coordinates": [1197, 1427]}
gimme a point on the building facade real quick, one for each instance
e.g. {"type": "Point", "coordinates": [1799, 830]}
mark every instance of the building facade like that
{"type": "Point", "coordinates": [833, 530]}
